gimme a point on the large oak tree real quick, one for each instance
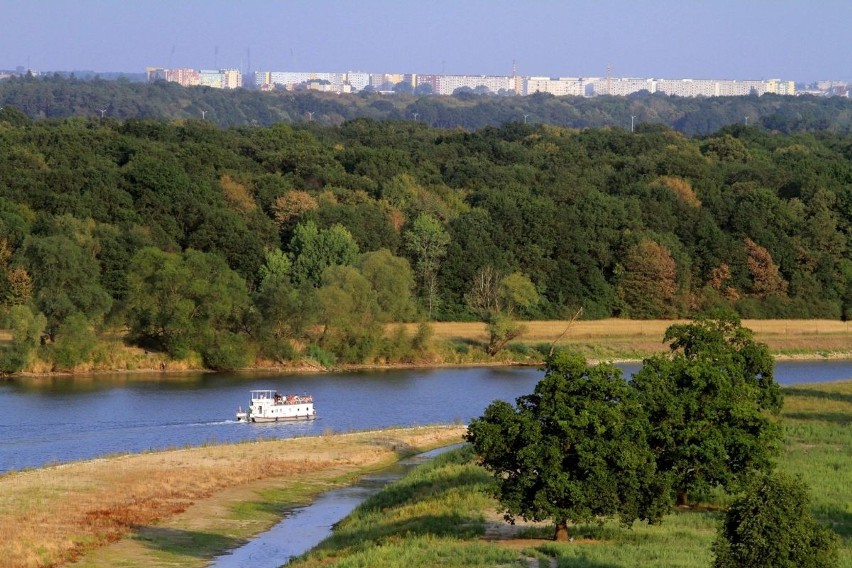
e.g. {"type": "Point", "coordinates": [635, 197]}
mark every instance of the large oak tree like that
{"type": "Point", "coordinates": [711, 401]}
{"type": "Point", "coordinates": [573, 451]}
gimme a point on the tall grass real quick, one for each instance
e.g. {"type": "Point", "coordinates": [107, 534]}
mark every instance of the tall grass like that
{"type": "Point", "coordinates": [439, 514]}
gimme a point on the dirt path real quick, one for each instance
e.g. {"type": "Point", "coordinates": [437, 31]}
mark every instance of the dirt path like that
{"type": "Point", "coordinates": [180, 507]}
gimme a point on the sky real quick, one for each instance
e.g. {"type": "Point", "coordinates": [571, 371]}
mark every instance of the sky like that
{"type": "Point", "coordinates": [799, 40]}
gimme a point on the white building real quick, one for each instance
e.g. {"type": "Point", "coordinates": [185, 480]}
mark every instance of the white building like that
{"type": "Point", "coordinates": [558, 86]}
{"type": "Point", "coordinates": [447, 84]}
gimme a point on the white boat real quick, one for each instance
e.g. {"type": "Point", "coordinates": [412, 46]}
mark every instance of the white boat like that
{"type": "Point", "coordinates": [270, 406]}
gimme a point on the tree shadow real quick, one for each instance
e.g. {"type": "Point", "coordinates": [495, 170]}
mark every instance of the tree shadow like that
{"type": "Point", "coordinates": [459, 527]}
{"type": "Point", "coordinates": [576, 559]}
{"type": "Point", "coordinates": [814, 393]}
{"type": "Point", "coordinates": [839, 520]}
{"type": "Point", "coordinates": [838, 418]}
{"type": "Point", "coordinates": [195, 544]}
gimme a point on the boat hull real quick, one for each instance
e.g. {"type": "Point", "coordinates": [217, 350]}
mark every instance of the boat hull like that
{"type": "Point", "coordinates": [261, 419]}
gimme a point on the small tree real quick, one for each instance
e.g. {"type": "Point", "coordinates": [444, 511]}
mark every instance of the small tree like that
{"type": "Point", "coordinates": [495, 298]}
{"type": "Point", "coordinates": [427, 242]}
{"type": "Point", "coordinates": [574, 450]}
{"type": "Point", "coordinates": [27, 329]}
{"type": "Point", "coordinates": [771, 526]}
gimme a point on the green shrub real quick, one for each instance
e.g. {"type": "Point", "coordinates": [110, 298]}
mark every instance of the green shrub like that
{"type": "Point", "coordinates": [278, 349]}
{"type": "Point", "coordinates": [771, 526]}
{"type": "Point", "coordinates": [27, 329]}
{"type": "Point", "coordinates": [225, 351]}
{"type": "Point", "coordinates": [321, 356]}
{"type": "Point", "coordinates": [75, 342]}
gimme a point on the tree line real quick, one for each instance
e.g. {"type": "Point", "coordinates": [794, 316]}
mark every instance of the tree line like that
{"type": "Point", "coordinates": [294, 240]}
{"type": "Point", "coordinates": [57, 96]}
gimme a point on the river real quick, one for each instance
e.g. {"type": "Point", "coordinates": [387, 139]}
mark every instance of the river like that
{"type": "Point", "coordinates": [60, 419]}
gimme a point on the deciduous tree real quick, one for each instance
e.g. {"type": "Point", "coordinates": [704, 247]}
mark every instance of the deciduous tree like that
{"type": "Point", "coordinates": [766, 280]}
{"type": "Point", "coordinates": [573, 450]}
{"type": "Point", "coordinates": [314, 250]}
{"type": "Point", "coordinates": [710, 401]}
{"type": "Point", "coordinates": [495, 298]}
{"type": "Point", "coordinates": [427, 242]}
{"type": "Point", "coordinates": [648, 281]}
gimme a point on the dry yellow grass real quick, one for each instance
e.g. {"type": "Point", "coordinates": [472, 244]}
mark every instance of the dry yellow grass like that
{"type": "Point", "coordinates": [824, 336]}
{"type": "Point", "coordinates": [54, 515]}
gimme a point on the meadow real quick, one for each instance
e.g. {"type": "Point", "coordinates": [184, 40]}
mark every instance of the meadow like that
{"type": "Point", "coordinates": [613, 338]}
{"type": "Point", "coordinates": [440, 513]}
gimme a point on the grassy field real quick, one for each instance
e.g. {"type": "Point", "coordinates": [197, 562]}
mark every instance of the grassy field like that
{"type": "Point", "coordinates": [440, 515]}
{"type": "Point", "coordinates": [635, 339]}
{"type": "Point", "coordinates": [180, 507]}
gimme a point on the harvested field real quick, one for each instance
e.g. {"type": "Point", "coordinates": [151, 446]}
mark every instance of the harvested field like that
{"type": "Point", "coordinates": [614, 336]}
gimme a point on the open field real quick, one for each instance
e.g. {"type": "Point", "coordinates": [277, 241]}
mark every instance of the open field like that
{"type": "Point", "coordinates": [184, 505]}
{"type": "Point", "coordinates": [637, 338]}
{"type": "Point", "coordinates": [439, 515]}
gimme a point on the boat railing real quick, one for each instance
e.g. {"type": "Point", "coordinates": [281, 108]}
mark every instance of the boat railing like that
{"type": "Point", "coordinates": [277, 398]}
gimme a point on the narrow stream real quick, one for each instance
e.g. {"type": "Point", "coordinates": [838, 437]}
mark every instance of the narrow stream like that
{"type": "Point", "coordinates": [305, 527]}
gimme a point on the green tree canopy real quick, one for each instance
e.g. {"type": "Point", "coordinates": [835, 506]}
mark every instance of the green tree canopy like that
{"type": "Point", "coordinates": [574, 450]}
{"type": "Point", "coordinates": [350, 313]}
{"type": "Point", "coordinates": [393, 281]}
{"type": "Point", "coordinates": [771, 526]}
{"type": "Point", "coordinates": [66, 280]}
{"type": "Point", "coordinates": [709, 401]}
{"type": "Point", "coordinates": [315, 249]}
{"type": "Point", "coordinates": [188, 301]}
{"type": "Point", "coordinates": [427, 242]}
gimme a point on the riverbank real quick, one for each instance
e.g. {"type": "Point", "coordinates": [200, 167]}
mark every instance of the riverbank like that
{"type": "Point", "coordinates": [461, 344]}
{"type": "Point", "coordinates": [193, 501]}
{"type": "Point", "coordinates": [440, 514]}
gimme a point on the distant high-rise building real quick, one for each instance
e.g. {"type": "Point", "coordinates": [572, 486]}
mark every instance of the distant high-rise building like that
{"type": "Point", "coordinates": [559, 87]}
{"type": "Point", "coordinates": [498, 84]}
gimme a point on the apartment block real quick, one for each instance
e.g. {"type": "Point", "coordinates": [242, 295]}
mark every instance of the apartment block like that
{"type": "Point", "coordinates": [558, 86]}
{"type": "Point", "coordinates": [447, 84]}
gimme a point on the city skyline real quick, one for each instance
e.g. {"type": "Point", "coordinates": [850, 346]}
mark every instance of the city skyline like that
{"type": "Point", "coordinates": [736, 39]}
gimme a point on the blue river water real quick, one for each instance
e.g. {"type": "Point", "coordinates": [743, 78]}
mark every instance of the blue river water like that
{"type": "Point", "coordinates": [55, 420]}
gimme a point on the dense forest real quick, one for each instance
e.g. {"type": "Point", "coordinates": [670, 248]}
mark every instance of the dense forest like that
{"type": "Point", "coordinates": [305, 240]}
{"type": "Point", "coordinates": [62, 97]}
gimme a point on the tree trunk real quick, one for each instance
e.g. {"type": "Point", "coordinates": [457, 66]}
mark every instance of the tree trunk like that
{"type": "Point", "coordinates": [682, 500]}
{"type": "Point", "coordinates": [561, 532]}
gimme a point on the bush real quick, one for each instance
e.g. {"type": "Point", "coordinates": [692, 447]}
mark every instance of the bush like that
{"type": "Point", "coordinates": [225, 351]}
{"type": "Point", "coordinates": [771, 526]}
{"type": "Point", "coordinates": [27, 329]}
{"type": "Point", "coordinates": [321, 356]}
{"type": "Point", "coordinates": [423, 336]}
{"type": "Point", "coordinates": [75, 342]}
{"type": "Point", "coordinates": [278, 349]}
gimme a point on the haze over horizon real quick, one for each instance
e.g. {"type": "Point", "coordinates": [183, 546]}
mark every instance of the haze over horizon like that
{"type": "Point", "coordinates": [723, 39]}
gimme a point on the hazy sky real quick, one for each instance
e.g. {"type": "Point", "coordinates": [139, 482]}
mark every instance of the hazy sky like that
{"type": "Point", "coordinates": [801, 40]}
